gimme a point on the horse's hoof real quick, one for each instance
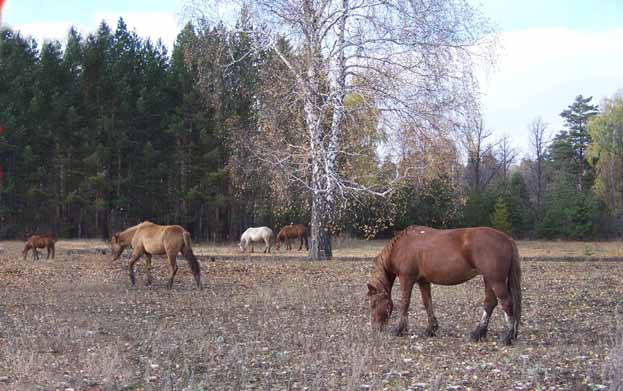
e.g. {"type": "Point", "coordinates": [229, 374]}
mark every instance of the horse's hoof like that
{"type": "Point", "coordinates": [397, 331]}
{"type": "Point", "coordinates": [478, 335]}
{"type": "Point", "coordinates": [507, 340]}
{"type": "Point", "coordinates": [430, 332]}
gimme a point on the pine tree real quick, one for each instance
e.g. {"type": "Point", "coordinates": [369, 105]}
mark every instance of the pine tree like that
{"type": "Point", "coordinates": [569, 147]}
{"type": "Point", "coordinates": [500, 216]}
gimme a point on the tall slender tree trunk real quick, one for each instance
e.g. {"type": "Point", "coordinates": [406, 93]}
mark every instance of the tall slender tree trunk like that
{"type": "Point", "coordinates": [539, 189]}
{"type": "Point", "coordinates": [320, 240]}
{"type": "Point", "coordinates": [324, 153]}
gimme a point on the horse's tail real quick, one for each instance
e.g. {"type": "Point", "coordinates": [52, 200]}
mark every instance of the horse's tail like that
{"type": "Point", "coordinates": [514, 286]}
{"type": "Point", "coordinates": [189, 255]}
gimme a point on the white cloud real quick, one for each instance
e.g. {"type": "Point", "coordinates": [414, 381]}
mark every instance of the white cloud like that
{"type": "Point", "coordinates": [46, 31]}
{"type": "Point", "coordinates": [540, 72]}
{"type": "Point", "coordinates": [154, 25]}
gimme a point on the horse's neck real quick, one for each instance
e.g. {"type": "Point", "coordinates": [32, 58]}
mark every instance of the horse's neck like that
{"type": "Point", "coordinates": [125, 237]}
{"type": "Point", "coordinates": [384, 276]}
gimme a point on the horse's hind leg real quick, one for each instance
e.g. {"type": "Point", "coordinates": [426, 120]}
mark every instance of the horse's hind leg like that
{"type": "Point", "coordinates": [173, 264]}
{"type": "Point", "coordinates": [503, 295]}
{"type": "Point", "coordinates": [427, 300]}
{"type": "Point", "coordinates": [148, 268]}
{"type": "Point", "coordinates": [489, 303]}
{"type": "Point", "coordinates": [136, 254]}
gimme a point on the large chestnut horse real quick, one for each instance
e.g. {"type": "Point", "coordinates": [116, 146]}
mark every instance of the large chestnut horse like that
{"type": "Point", "coordinates": [428, 256]}
{"type": "Point", "coordinates": [152, 239]}
{"type": "Point", "coordinates": [292, 231]}
{"type": "Point", "coordinates": [39, 241]}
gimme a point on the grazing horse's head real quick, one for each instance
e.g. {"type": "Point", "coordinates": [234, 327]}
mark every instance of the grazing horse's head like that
{"type": "Point", "coordinates": [116, 247]}
{"type": "Point", "coordinates": [280, 238]}
{"type": "Point", "coordinates": [381, 306]}
{"type": "Point", "coordinates": [25, 250]}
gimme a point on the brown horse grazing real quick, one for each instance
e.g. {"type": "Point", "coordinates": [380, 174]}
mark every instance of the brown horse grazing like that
{"type": "Point", "coordinates": [425, 255]}
{"type": "Point", "coordinates": [152, 239]}
{"type": "Point", "coordinates": [292, 231]}
{"type": "Point", "coordinates": [39, 241]}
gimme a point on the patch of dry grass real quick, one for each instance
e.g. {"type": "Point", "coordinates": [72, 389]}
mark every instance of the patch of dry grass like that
{"type": "Point", "coordinates": [539, 248]}
{"type": "Point", "coordinates": [613, 366]}
{"type": "Point", "coordinates": [263, 324]}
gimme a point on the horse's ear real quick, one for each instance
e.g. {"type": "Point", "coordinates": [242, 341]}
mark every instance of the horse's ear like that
{"type": "Point", "coordinates": [372, 290]}
{"type": "Point", "coordinates": [115, 237]}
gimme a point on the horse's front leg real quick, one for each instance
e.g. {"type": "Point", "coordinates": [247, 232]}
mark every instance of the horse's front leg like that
{"type": "Point", "coordinates": [406, 286]}
{"type": "Point", "coordinates": [427, 300]}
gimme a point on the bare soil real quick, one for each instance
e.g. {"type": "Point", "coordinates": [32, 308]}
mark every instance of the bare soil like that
{"type": "Point", "coordinates": [266, 323]}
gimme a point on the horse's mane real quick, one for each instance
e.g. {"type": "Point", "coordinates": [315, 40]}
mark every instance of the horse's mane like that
{"type": "Point", "coordinates": [381, 260]}
{"type": "Point", "coordinates": [132, 230]}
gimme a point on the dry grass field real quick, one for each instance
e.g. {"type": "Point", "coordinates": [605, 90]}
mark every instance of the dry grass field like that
{"type": "Point", "coordinates": [265, 323]}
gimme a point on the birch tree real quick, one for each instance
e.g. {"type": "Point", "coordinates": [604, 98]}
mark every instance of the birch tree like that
{"type": "Point", "coordinates": [414, 58]}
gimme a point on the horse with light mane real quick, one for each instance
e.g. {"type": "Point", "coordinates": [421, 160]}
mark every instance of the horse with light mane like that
{"type": "Point", "coordinates": [257, 234]}
{"type": "Point", "coordinates": [152, 239]}
{"type": "Point", "coordinates": [39, 241]}
{"type": "Point", "coordinates": [428, 256]}
{"type": "Point", "coordinates": [292, 231]}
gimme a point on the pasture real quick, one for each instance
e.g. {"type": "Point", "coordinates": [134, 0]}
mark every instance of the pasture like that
{"type": "Point", "coordinates": [282, 323]}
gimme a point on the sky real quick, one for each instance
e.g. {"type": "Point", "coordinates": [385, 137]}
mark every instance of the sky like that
{"type": "Point", "coordinates": [550, 50]}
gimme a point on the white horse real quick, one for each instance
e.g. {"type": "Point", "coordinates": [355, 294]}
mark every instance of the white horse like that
{"type": "Point", "coordinates": [256, 235]}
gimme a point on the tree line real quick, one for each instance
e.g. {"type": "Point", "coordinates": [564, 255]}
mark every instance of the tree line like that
{"type": "Point", "coordinates": [110, 129]}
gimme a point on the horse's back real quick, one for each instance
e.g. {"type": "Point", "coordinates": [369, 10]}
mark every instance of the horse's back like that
{"type": "Point", "coordinates": [257, 233]}
{"type": "Point", "coordinates": [266, 231]}
{"type": "Point", "coordinates": [452, 256]}
{"type": "Point", "coordinates": [489, 250]}
{"type": "Point", "coordinates": [293, 230]}
{"type": "Point", "coordinates": [41, 241]}
{"type": "Point", "coordinates": [156, 239]}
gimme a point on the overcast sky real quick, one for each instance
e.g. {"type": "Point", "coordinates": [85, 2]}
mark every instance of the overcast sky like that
{"type": "Point", "coordinates": [552, 50]}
